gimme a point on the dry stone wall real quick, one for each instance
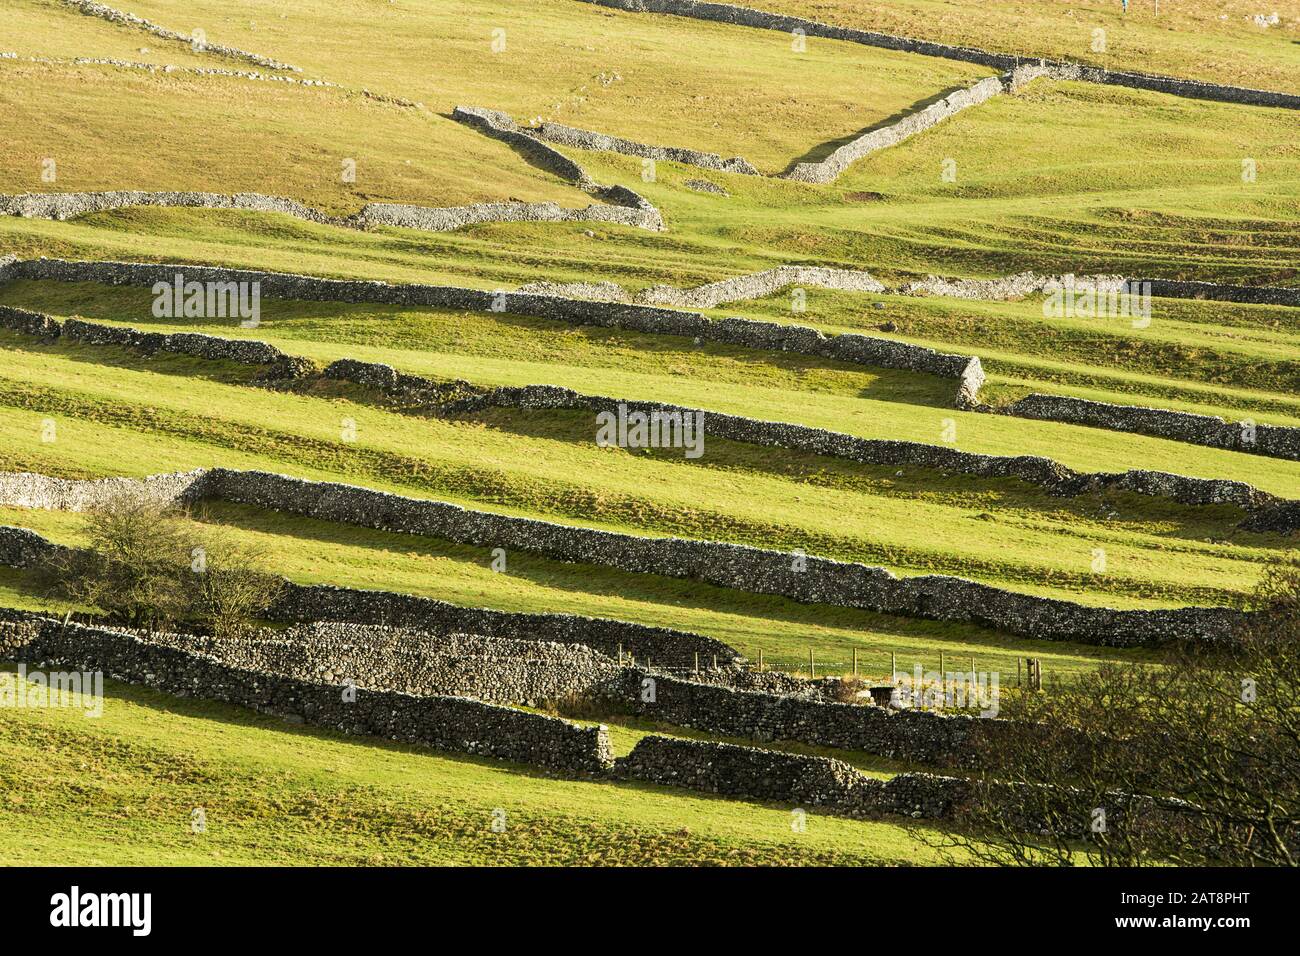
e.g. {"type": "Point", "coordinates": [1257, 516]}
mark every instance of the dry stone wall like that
{"type": "Point", "coordinates": [628, 207]}
{"type": "Point", "coordinates": [25, 489]}
{"type": "Point", "coordinates": [833, 166]}
{"type": "Point", "coordinates": [260, 675]}
{"type": "Point", "coordinates": [848, 347]}
{"type": "Point", "coordinates": [1009, 287]}
{"type": "Point", "coordinates": [104, 12]}
{"type": "Point", "coordinates": [825, 171]}
{"type": "Point", "coordinates": [586, 139]}
{"type": "Point", "coordinates": [914, 736]}
{"type": "Point", "coordinates": [21, 548]}
{"type": "Point", "coordinates": [740, 567]}
{"type": "Point", "coordinates": [457, 217]}
{"type": "Point", "coordinates": [210, 347]}
{"type": "Point", "coordinates": [825, 581]}
{"type": "Point", "coordinates": [625, 207]}
{"type": "Point", "coordinates": [760, 284]}
{"type": "Point", "coordinates": [1175, 86]}
{"type": "Point", "coordinates": [412, 661]}
{"type": "Point", "coordinates": [445, 723]}
{"type": "Point", "coordinates": [1049, 474]}
{"type": "Point", "coordinates": [662, 646]}
{"type": "Point", "coordinates": [1267, 513]}
{"type": "Point", "coordinates": [63, 206]}
{"type": "Point", "coordinates": [1220, 292]}
{"type": "Point", "coordinates": [1271, 440]}
{"type": "Point", "coordinates": [502, 126]}
{"type": "Point", "coordinates": [813, 782]}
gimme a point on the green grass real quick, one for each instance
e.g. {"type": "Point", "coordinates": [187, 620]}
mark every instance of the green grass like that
{"type": "Point", "coordinates": [645, 78]}
{"type": "Point", "coordinates": [1058, 177]}
{"type": "Point", "coordinates": [508, 350]}
{"type": "Point", "coordinates": [120, 789]}
{"type": "Point", "coordinates": [242, 135]}
{"type": "Point", "coordinates": [316, 552]}
{"type": "Point", "coordinates": [547, 464]}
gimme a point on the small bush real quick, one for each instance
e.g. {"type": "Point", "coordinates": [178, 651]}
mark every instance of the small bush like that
{"type": "Point", "coordinates": [151, 568]}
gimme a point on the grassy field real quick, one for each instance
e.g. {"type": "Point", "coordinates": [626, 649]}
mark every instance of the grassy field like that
{"type": "Point", "coordinates": [51, 30]}
{"type": "Point", "coordinates": [238, 135]}
{"type": "Point", "coordinates": [1057, 177]}
{"type": "Point", "coordinates": [120, 789]}
{"type": "Point", "coordinates": [641, 77]}
{"type": "Point", "coordinates": [547, 464]}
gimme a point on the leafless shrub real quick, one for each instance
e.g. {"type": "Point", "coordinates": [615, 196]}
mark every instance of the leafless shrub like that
{"type": "Point", "coordinates": [149, 567]}
{"type": "Point", "coordinates": [1191, 761]}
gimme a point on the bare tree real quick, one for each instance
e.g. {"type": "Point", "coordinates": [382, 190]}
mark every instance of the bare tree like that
{"type": "Point", "coordinates": [150, 567]}
{"type": "Point", "coordinates": [132, 569]}
{"type": "Point", "coordinates": [230, 589]}
{"type": "Point", "coordinates": [1194, 760]}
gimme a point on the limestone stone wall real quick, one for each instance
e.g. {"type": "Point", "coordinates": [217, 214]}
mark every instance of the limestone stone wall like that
{"type": "Point", "coordinates": [848, 347]}
{"type": "Point", "coordinates": [1272, 440]}
{"type": "Point", "coordinates": [211, 347]}
{"type": "Point", "coordinates": [1220, 292]}
{"type": "Point", "coordinates": [586, 139]}
{"type": "Point", "coordinates": [833, 166]}
{"type": "Point", "coordinates": [627, 206]}
{"type": "Point", "coordinates": [502, 126]}
{"type": "Point", "coordinates": [457, 217]}
{"type": "Point", "coordinates": [1008, 287]}
{"type": "Point", "coordinates": [824, 171]}
{"type": "Point", "coordinates": [800, 578]}
{"type": "Point", "coordinates": [914, 736]}
{"type": "Point", "coordinates": [659, 645]}
{"type": "Point", "coordinates": [607, 309]}
{"type": "Point", "coordinates": [72, 205]}
{"type": "Point", "coordinates": [20, 548]}
{"type": "Point", "coordinates": [760, 284]}
{"type": "Point", "coordinates": [30, 323]}
{"type": "Point", "coordinates": [112, 15]}
{"type": "Point", "coordinates": [743, 16]}
{"type": "Point", "coordinates": [462, 396]}
{"type": "Point", "coordinates": [442, 722]}
{"type": "Point", "coordinates": [414, 661]}
{"type": "Point", "coordinates": [806, 782]}
{"type": "Point", "coordinates": [938, 597]}
{"type": "Point", "coordinates": [26, 489]}
{"type": "Point", "coordinates": [1045, 472]}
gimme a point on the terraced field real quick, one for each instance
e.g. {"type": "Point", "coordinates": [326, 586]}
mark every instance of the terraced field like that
{"type": "Point", "coordinates": [1051, 175]}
